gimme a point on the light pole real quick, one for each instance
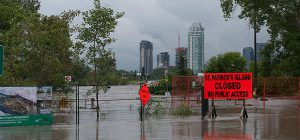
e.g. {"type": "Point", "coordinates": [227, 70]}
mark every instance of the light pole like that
{"type": "Point", "coordinates": [255, 52]}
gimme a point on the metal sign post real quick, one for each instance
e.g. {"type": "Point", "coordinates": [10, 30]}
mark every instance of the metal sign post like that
{"type": "Point", "coordinates": [142, 108]}
{"type": "Point", "coordinates": [213, 113]}
{"type": "Point", "coordinates": [204, 103]}
{"type": "Point", "coordinates": [142, 111]}
{"type": "Point", "coordinates": [1, 59]}
{"type": "Point", "coordinates": [77, 104]}
{"type": "Point", "coordinates": [244, 114]}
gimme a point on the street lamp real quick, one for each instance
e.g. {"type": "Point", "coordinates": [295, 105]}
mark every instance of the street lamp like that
{"type": "Point", "coordinates": [255, 52]}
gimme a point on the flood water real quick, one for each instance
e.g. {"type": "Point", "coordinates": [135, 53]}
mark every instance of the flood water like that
{"type": "Point", "coordinates": [274, 119]}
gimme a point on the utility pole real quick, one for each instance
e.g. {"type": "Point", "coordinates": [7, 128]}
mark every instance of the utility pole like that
{"type": "Point", "coordinates": [255, 52]}
{"type": "Point", "coordinates": [255, 31]}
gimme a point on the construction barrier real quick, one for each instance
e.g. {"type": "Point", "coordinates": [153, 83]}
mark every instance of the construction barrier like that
{"type": "Point", "coordinates": [186, 90]}
{"type": "Point", "coordinates": [277, 87]}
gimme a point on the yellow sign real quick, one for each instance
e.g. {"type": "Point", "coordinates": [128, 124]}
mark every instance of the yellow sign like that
{"type": "Point", "coordinates": [63, 102]}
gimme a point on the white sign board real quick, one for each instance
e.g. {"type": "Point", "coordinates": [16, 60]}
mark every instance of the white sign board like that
{"type": "Point", "coordinates": [200, 74]}
{"type": "Point", "coordinates": [68, 78]}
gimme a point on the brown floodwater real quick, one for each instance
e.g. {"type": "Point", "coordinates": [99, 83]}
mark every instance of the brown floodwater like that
{"type": "Point", "coordinates": [274, 119]}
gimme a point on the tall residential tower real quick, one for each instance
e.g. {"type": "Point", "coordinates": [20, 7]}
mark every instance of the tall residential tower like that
{"type": "Point", "coordinates": [196, 48]}
{"type": "Point", "coordinates": [146, 57]}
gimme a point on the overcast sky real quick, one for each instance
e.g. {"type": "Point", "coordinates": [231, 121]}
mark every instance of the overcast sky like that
{"type": "Point", "coordinates": [159, 21]}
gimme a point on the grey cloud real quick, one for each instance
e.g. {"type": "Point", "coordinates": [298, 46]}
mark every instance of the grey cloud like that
{"type": "Point", "coordinates": [159, 20]}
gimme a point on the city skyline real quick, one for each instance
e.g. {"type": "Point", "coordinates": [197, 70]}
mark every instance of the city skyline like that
{"type": "Point", "coordinates": [160, 21]}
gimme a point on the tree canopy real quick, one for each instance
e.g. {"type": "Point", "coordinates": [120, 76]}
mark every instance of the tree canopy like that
{"type": "Point", "coordinates": [38, 49]}
{"type": "Point", "coordinates": [95, 35]}
{"type": "Point", "coordinates": [227, 62]}
{"type": "Point", "coordinates": [282, 18]}
{"type": "Point", "coordinates": [182, 69]}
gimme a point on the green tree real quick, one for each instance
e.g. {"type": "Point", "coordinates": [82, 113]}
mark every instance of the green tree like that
{"type": "Point", "coordinates": [10, 16]}
{"type": "Point", "coordinates": [182, 69]}
{"type": "Point", "coordinates": [13, 9]}
{"type": "Point", "coordinates": [80, 71]}
{"type": "Point", "coordinates": [227, 62]}
{"type": "Point", "coordinates": [95, 35]}
{"type": "Point", "coordinates": [172, 71]}
{"type": "Point", "coordinates": [106, 64]}
{"type": "Point", "coordinates": [30, 5]}
{"type": "Point", "coordinates": [282, 18]}
{"type": "Point", "coordinates": [37, 48]}
{"type": "Point", "coordinates": [157, 73]}
{"type": "Point", "coordinates": [259, 68]}
{"type": "Point", "coordinates": [50, 57]}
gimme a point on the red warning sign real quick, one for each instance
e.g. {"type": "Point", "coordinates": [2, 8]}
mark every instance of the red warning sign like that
{"type": "Point", "coordinates": [144, 94]}
{"type": "Point", "coordinates": [228, 85]}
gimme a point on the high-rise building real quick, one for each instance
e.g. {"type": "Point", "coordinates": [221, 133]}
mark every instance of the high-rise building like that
{"type": "Point", "coordinates": [248, 53]}
{"type": "Point", "coordinates": [259, 48]}
{"type": "Point", "coordinates": [180, 51]}
{"type": "Point", "coordinates": [196, 48]}
{"type": "Point", "coordinates": [146, 57]}
{"type": "Point", "coordinates": [163, 60]}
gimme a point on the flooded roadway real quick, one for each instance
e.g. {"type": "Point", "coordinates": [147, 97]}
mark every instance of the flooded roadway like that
{"type": "Point", "coordinates": [279, 119]}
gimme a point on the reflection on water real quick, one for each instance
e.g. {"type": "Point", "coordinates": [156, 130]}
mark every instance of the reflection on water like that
{"type": "Point", "coordinates": [77, 132]}
{"type": "Point", "coordinates": [26, 133]}
{"type": "Point", "coordinates": [143, 137]}
{"type": "Point", "coordinates": [120, 120]}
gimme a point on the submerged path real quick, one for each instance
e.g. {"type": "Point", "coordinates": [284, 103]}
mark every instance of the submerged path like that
{"type": "Point", "coordinates": [279, 119]}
